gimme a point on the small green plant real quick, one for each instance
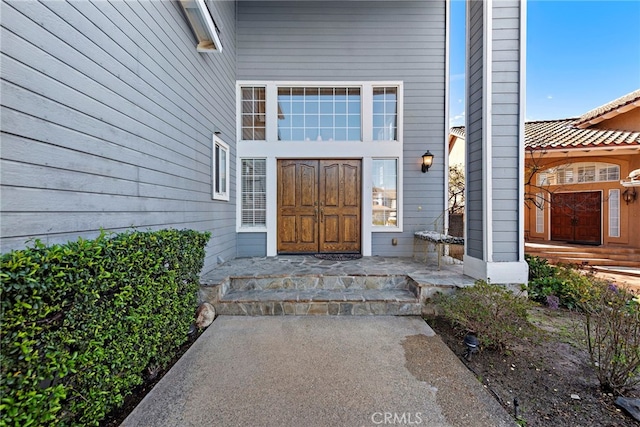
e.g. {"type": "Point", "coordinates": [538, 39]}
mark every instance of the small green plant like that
{"type": "Point", "coordinates": [568, 284]}
{"type": "Point", "coordinates": [612, 324]}
{"type": "Point", "coordinates": [494, 314]}
{"type": "Point", "coordinates": [539, 267]}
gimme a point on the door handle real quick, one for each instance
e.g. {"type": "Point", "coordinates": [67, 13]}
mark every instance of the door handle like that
{"type": "Point", "coordinates": [321, 215]}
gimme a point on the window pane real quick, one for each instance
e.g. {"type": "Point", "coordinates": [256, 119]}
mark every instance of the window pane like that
{"type": "Point", "coordinates": [253, 113]}
{"type": "Point", "coordinates": [385, 183]}
{"type": "Point", "coordinates": [583, 172]}
{"type": "Point", "coordinates": [220, 171]}
{"type": "Point", "coordinates": [385, 120]}
{"type": "Point", "coordinates": [253, 193]}
{"type": "Point", "coordinates": [614, 213]}
{"type": "Point", "coordinates": [540, 213]}
{"type": "Point", "coordinates": [319, 114]}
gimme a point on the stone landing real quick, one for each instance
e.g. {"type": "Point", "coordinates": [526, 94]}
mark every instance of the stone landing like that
{"type": "Point", "coordinates": [304, 285]}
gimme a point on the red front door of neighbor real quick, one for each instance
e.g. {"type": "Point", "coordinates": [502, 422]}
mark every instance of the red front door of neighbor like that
{"type": "Point", "coordinates": [577, 217]}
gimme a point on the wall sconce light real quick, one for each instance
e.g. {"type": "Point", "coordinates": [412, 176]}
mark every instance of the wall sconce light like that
{"type": "Point", "coordinates": [216, 130]}
{"type": "Point", "coordinates": [427, 161]}
{"type": "Point", "coordinates": [629, 195]}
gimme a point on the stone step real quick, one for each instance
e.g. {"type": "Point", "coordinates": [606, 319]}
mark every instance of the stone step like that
{"type": "Point", "coordinates": [321, 282]}
{"type": "Point", "coordinates": [345, 302]}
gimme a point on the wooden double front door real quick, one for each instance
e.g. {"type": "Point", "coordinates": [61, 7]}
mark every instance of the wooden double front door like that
{"type": "Point", "coordinates": [576, 217]}
{"type": "Point", "coordinates": [319, 206]}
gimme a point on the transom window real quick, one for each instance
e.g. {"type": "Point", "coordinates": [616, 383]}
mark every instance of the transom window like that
{"type": "Point", "coordinates": [315, 112]}
{"type": "Point", "coordinates": [319, 114]}
{"type": "Point", "coordinates": [253, 113]}
{"type": "Point", "coordinates": [578, 173]}
{"type": "Point", "coordinates": [385, 113]}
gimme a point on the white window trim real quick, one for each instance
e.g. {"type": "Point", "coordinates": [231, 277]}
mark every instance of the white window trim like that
{"type": "Point", "coordinates": [215, 195]}
{"type": "Point", "coordinates": [272, 149]}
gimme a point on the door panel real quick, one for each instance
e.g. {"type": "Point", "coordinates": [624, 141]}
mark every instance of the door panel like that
{"type": "Point", "coordinates": [297, 206]}
{"type": "Point", "coordinates": [340, 197]}
{"type": "Point", "coordinates": [577, 217]}
{"type": "Point", "coordinates": [319, 204]}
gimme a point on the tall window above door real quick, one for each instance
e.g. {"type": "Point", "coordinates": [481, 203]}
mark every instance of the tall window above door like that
{"type": "Point", "coordinates": [319, 114]}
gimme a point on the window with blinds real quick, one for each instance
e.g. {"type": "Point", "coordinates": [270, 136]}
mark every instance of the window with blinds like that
{"type": "Point", "coordinates": [614, 213]}
{"type": "Point", "coordinates": [254, 193]}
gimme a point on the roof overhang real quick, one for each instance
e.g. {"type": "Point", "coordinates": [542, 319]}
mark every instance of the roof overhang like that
{"type": "Point", "coordinates": [203, 25]}
{"type": "Point", "coordinates": [584, 151]}
{"type": "Point", "coordinates": [609, 115]}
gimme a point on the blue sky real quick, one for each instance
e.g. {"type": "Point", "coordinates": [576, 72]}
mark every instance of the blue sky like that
{"type": "Point", "coordinates": [580, 55]}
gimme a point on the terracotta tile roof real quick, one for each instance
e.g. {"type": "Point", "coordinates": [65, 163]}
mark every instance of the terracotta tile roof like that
{"type": "Point", "coordinates": [457, 131]}
{"type": "Point", "coordinates": [611, 109]}
{"type": "Point", "coordinates": [561, 134]}
{"type": "Point", "coordinates": [550, 134]}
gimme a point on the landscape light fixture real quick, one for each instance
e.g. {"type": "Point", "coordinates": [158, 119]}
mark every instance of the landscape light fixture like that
{"type": "Point", "coordinates": [471, 341]}
{"type": "Point", "coordinates": [629, 195]}
{"type": "Point", "coordinates": [427, 161]}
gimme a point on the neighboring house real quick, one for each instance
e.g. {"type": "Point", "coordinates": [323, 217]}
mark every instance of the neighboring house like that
{"type": "Point", "coordinates": [581, 176]}
{"type": "Point", "coordinates": [280, 126]}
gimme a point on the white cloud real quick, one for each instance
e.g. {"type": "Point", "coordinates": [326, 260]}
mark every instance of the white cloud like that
{"type": "Point", "coordinates": [457, 120]}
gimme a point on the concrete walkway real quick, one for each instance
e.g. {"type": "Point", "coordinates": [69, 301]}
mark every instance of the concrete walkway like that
{"type": "Point", "coordinates": [319, 371]}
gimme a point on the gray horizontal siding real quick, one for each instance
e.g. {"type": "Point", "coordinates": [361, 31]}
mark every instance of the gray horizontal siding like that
{"type": "Point", "coordinates": [107, 117]}
{"type": "Point", "coordinates": [356, 41]}
{"type": "Point", "coordinates": [474, 165]}
{"type": "Point", "coordinates": [505, 131]}
{"type": "Point", "coordinates": [252, 245]}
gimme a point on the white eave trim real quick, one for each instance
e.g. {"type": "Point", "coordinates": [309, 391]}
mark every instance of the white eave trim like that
{"type": "Point", "coordinates": [202, 24]}
{"type": "Point", "coordinates": [609, 115]}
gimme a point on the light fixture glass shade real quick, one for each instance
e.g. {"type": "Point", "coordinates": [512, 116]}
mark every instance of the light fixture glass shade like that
{"type": "Point", "coordinates": [427, 161]}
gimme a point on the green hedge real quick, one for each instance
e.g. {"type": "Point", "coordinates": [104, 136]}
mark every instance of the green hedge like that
{"type": "Point", "coordinates": [84, 321]}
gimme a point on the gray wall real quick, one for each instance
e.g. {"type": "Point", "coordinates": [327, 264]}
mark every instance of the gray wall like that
{"type": "Point", "coordinates": [107, 118]}
{"type": "Point", "coordinates": [505, 131]}
{"type": "Point", "coordinates": [357, 40]}
{"type": "Point", "coordinates": [474, 166]}
{"type": "Point", "coordinates": [252, 245]}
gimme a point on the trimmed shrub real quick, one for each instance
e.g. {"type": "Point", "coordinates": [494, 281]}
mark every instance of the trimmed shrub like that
{"type": "Point", "coordinates": [83, 321]}
{"type": "Point", "coordinates": [612, 324]}
{"type": "Point", "coordinates": [493, 313]}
